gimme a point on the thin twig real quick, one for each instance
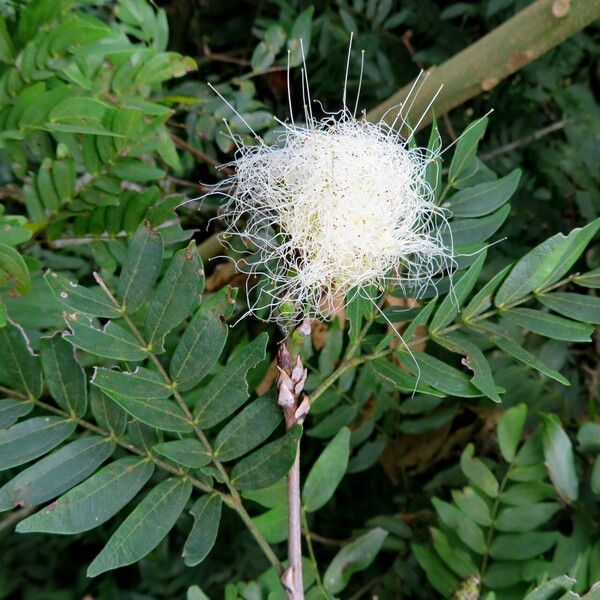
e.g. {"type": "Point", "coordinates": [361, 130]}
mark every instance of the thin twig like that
{"type": "Point", "coordinates": [201, 156]}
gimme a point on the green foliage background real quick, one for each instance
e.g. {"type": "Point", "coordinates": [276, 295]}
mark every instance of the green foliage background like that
{"type": "Point", "coordinates": [485, 483]}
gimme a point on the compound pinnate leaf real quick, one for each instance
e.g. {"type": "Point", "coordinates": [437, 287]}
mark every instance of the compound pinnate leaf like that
{"type": "Point", "coordinates": [187, 453]}
{"type": "Point", "coordinates": [112, 341]}
{"type": "Point", "coordinates": [252, 426]}
{"type": "Point", "coordinates": [437, 574]}
{"type": "Point", "coordinates": [354, 557]}
{"type": "Point", "coordinates": [32, 438]}
{"type": "Point", "coordinates": [141, 267]}
{"type": "Point", "coordinates": [174, 297]}
{"type": "Point", "coordinates": [510, 429]}
{"type": "Point", "coordinates": [545, 264]}
{"type": "Point", "coordinates": [207, 516]}
{"type": "Point", "coordinates": [90, 301]}
{"type": "Point", "coordinates": [327, 472]}
{"type": "Point", "coordinates": [141, 383]}
{"type": "Point", "coordinates": [267, 464]}
{"type": "Point", "coordinates": [56, 473]}
{"type": "Point", "coordinates": [64, 375]}
{"type": "Point", "coordinates": [19, 360]}
{"type": "Point", "coordinates": [228, 390]}
{"type": "Point", "coordinates": [559, 458]}
{"type": "Point", "coordinates": [145, 527]}
{"type": "Point", "coordinates": [94, 501]}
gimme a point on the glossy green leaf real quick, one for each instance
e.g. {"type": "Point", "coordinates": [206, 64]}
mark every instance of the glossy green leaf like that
{"type": "Point", "coordinates": [141, 267]}
{"type": "Point", "coordinates": [522, 546]}
{"type": "Point", "coordinates": [580, 307]}
{"type": "Point", "coordinates": [354, 557]}
{"type": "Point", "coordinates": [175, 296]}
{"type": "Point", "coordinates": [112, 341]}
{"type": "Point", "coordinates": [158, 413]}
{"type": "Point", "coordinates": [510, 430]}
{"type": "Point", "coordinates": [11, 410]}
{"type": "Point", "coordinates": [545, 264]}
{"type": "Point", "coordinates": [207, 516]}
{"type": "Point", "coordinates": [145, 527]}
{"type": "Point", "coordinates": [252, 426]}
{"type": "Point", "coordinates": [551, 326]}
{"type": "Point", "coordinates": [228, 390]}
{"type": "Point", "coordinates": [525, 518]}
{"type": "Point", "coordinates": [90, 301]}
{"type": "Point", "coordinates": [478, 473]}
{"type": "Point", "coordinates": [19, 360]}
{"type": "Point", "coordinates": [466, 149]}
{"type": "Point", "coordinates": [187, 453]}
{"type": "Point", "coordinates": [440, 376]}
{"type": "Point", "coordinates": [466, 232]}
{"type": "Point", "coordinates": [94, 501]}
{"type": "Point", "coordinates": [523, 494]}
{"type": "Point", "coordinates": [327, 472]}
{"type": "Point", "coordinates": [483, 198]}
{"type": "Point", "coordinates": [511, 347]}
{"type": "Point", "coordinates": [108, 414]}
{"type": "Point", "coordinates": [56, 473]}
{"type": "Point", "coordinates": [64, 375]}
{"type": "Point", "coordinates": [449, 307]}
{"type": "Point", "coordinates": [559, 458]}
{"type": "Point", "coordinates": [141, 383]}
{"type": "Point", "coordinates": [267, 464]}
{"type": "Point", "coordinates": [32, 438]}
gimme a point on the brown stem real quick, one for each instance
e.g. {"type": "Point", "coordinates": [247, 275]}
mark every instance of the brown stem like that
{"type": "Point", "coordinates": [199, 155]}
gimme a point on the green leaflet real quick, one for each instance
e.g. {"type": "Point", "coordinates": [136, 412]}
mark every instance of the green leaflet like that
{"type": "Point", "coordinates": [550, 326]}
{"type": "Point", "coordinates": [112, 341]}
{"type": "Point", "coordinates": [174, 297]}
{"type": "Point", "coordinates": [187, 453]}
{"type": "Point", "coordinates": [90, 301]}
{"type": "Point", "coordinates": [94, 501]}
{"type": "Point", "coordinates": [354, 557]}
{"type": "Point", "coordinates": [141, 383]}
{"type": "Point", "coordinates": [19, 360]}
{"type": "Point", "coordinates": [545, 264]}
{"type": "Point", "coordinates": [56, 473]}
{"type": "Point", "coordinates": [64, 375]}
{"type": "Point", "coordinates": [11, 410]}
{"type": "Point", "coordinates": [575, 306]}
{"type": "Point", "coordinates": [267, 464]}
{"type": "Point", "coordinates": [449, 307]}
{"type": "Point", "coordinates": [141, 268]}
{"type": "Point", "coordinates": [207, 516]}
{"type": "Point", "coordinates": [13, 267]}
{"type": "Point", "coordinates": [466, 149]}
{"type": "Point", "coordinates": [522, 546]}
{"type": "Point", "coordinates": [252, 426]}
{"type": "Point", "coordinates": [510, 429]}
{"type": "Point", "coordinates": [145, 527]}
{"type": "Point", "coordinates": [228, 390]}
{"type": "Point", "coordinates": [327, 472]}
{"type": "Point", "coordinates": [484, 198]}
{"type": "Point", "coordinates": [478, 473]}
{"type": "Point", "coordinates": [32, 438]}
{"type": "Point", "coordinates": [466, 232]}
{"type": "Point", "coordinates": [158, 413]}
{"type": "Point", "coordinates": [437, 574]}
{"type": "Point", "coordinates": [108, 414]}
{"type": "Point", "coordinates": [198, 350]}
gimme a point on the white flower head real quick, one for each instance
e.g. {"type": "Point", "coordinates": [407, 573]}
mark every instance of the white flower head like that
{"type": "Point", "coordinates": [336, 205]}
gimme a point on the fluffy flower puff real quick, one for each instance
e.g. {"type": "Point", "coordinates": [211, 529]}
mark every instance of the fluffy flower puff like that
{"type": "Point", "coordinates": [336, 207]}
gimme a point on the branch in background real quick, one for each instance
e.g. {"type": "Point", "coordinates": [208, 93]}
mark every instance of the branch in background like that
{"type": "Point", "coordinates": [517, 42]}
{"type": "Point", "coordinates": [199, 155]}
